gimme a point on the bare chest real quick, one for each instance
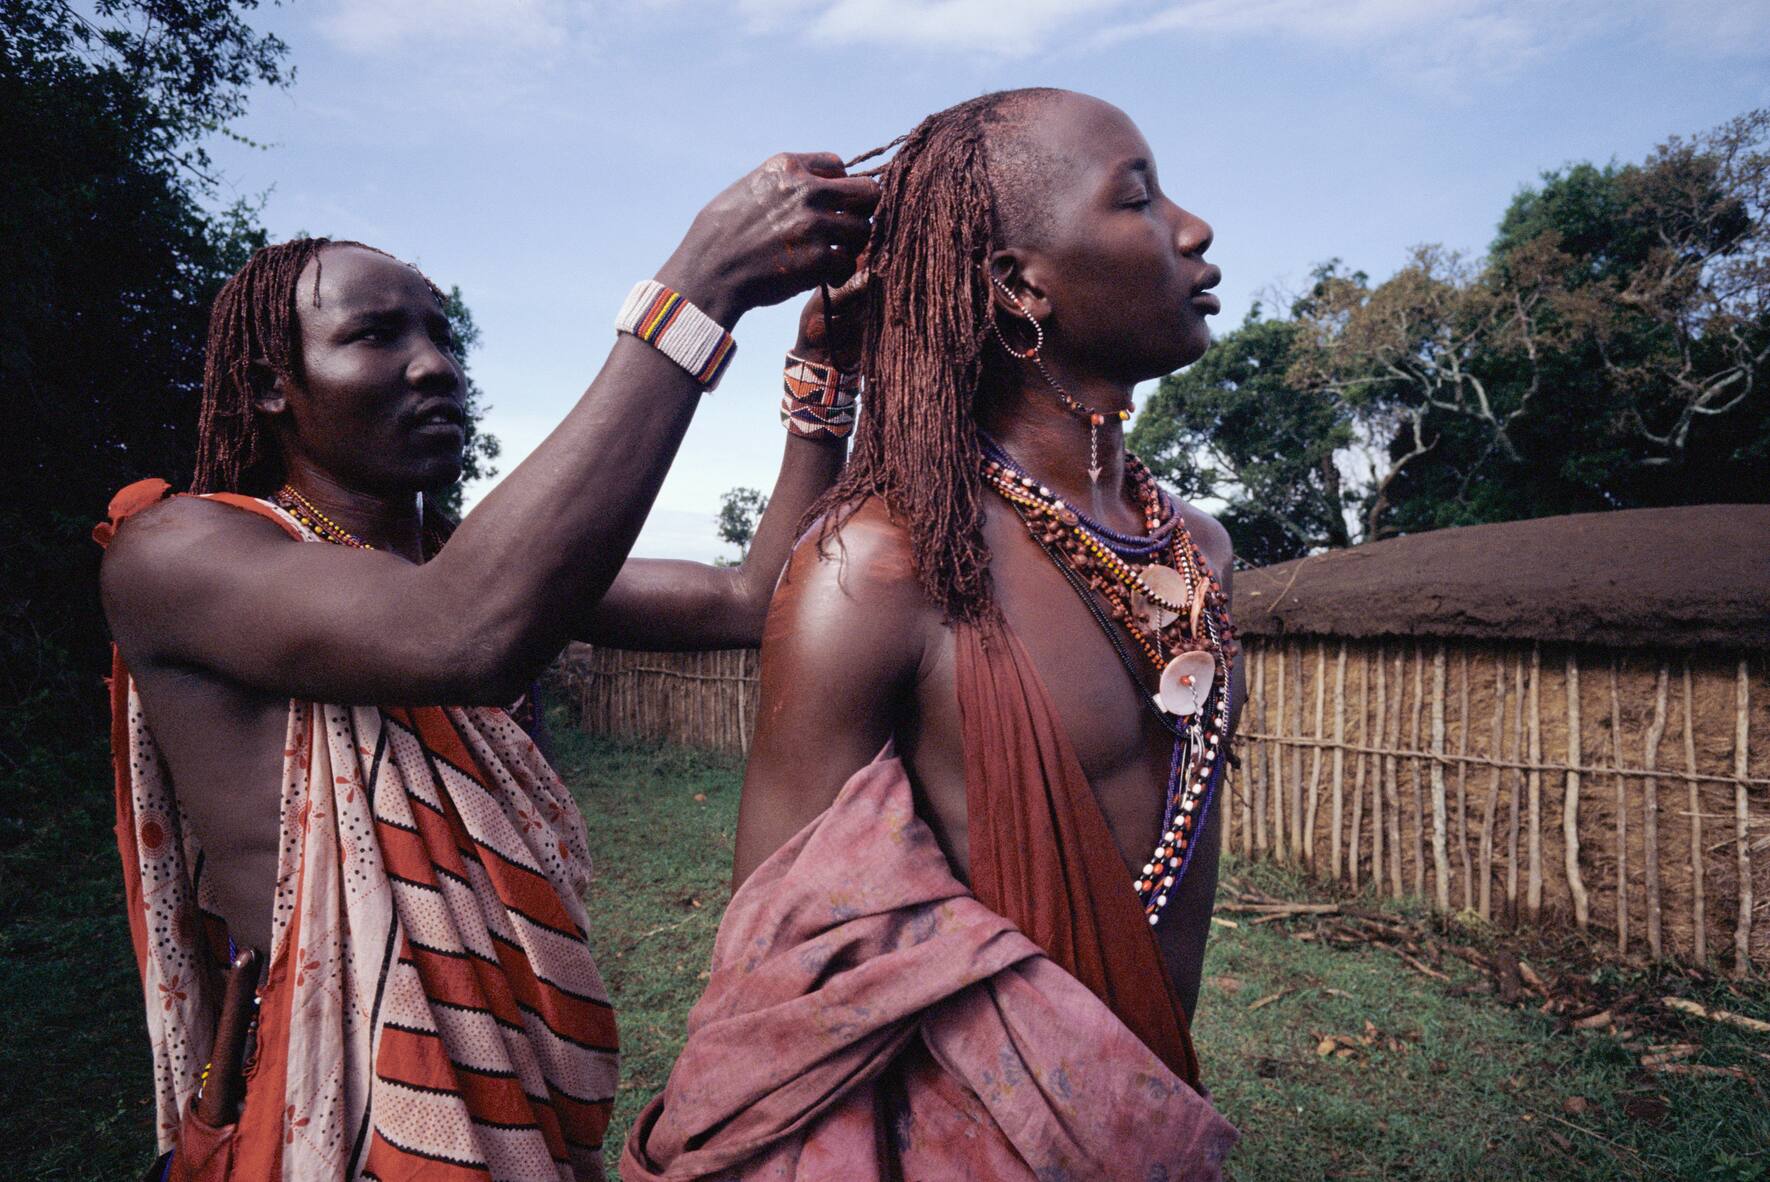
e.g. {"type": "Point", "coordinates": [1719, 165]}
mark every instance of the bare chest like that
{"type": "Point", "coordinates": [1122, 748]}
{"type": "Point", "coordinates": [224, 749]}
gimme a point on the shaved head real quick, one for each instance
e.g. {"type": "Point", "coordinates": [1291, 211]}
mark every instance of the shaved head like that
{"type": "Point", "coordinates": [1021, 162]}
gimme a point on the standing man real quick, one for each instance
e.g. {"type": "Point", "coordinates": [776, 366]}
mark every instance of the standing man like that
{"type": "Point", "coordinates": [311, 762]}
{"type": "Point", "coordinates": [975, 857]}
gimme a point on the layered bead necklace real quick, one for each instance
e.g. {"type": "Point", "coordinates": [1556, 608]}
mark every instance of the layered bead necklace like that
{"type": "Point", "coordinates": [290, 499]}
{"type": "Point", "coordinates": [1159, 588]}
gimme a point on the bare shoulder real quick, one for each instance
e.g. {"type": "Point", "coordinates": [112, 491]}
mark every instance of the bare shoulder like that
{"type": "Point", "coordinates": [1213, 540]}
{"type": "Point", "coordinates": [855, 594]}
{"type": "Point", "coordinates": [868, 560]}
{"type": "Point", "coordinates": [163, 557]}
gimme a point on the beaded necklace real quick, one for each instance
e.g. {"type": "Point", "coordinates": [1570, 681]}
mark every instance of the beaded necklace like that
{"type": "Point", "coordinates": [290, 499]}
{"type": "Point", "coordinates": [1159, 588]}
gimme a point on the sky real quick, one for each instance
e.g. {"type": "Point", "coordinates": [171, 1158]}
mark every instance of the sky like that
{"type": "Point", "coordinates": [544, 155]}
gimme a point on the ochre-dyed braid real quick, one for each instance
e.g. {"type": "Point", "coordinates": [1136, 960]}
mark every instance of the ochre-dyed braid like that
{"type": "Point", "coordinates": [924, 334]}
{"type": "Point", "coordinates": [253, 319]}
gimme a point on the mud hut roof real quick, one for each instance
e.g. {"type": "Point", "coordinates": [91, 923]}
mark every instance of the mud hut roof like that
{"type": "Point", "coordinates": [1689, 577]}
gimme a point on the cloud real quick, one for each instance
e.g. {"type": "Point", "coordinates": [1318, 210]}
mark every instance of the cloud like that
{"type": "Point", "coordinates": [1008, 29]}
{"type": "Point", "coordinates": [1428, 40]}
{"type": "Point", "coordinates": [524, 26]}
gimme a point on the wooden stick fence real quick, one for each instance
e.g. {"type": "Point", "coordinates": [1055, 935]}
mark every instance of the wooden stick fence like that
{"type": "Point", "coordinates": [701, 699]}
{"type": "Point", "coordinates": [1446, 770]}
{"type": "Point", "coordinates": [1475, 751]}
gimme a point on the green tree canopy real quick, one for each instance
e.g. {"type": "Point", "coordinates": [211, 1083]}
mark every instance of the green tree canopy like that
{"type": "Point", "coordinates": [481, 448]}
{"type": "Point", "coordinates": [1609, 351]}
{"type": "Point", "coordinates": [109, 257]}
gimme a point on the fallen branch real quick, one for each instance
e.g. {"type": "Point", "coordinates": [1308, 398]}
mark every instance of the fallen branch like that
{"type": "Point", "coordinates": [1280, 910]}
{"type": "Point", "coordinates": [1701, 1069]}
{"type": "Point", "coordinates": [1269, 999]}
{"type": "Point", "coordinates": [1666, 1053]}
{"type": "Point", "coordinates": [1415, 963]}
{"type": "Point", "coordinates": [1685, 1005]}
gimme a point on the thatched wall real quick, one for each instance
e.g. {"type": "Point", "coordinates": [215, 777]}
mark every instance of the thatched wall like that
{"type": "Point", "coordinates": [1615, 790]}
{"type": "Point", "coordinates": [704, 699]}
{"type": "Point", "coordinates": [1468, 655]}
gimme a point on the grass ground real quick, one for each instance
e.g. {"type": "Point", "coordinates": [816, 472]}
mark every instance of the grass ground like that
{"type": "Point", "coordinates": [74, 1074]}
{"type": "Point", "coordinates": [1441, 1084]}
{"type": "Point", "coordinates": [1438, 1085]}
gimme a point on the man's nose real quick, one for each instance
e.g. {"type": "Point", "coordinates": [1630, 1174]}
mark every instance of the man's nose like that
{"type": "Point", "coordinates": [431, 366]}
{"type": "Point", "coordinates": [1194, 235]}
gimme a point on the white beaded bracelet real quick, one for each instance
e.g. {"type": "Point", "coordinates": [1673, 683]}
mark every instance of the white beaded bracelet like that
{"type": "Point", "coordinates": [666, 321]}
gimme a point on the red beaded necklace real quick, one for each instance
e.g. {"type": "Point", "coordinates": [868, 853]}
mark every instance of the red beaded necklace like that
{"type": "Point", "coordinates": [1158, 587]}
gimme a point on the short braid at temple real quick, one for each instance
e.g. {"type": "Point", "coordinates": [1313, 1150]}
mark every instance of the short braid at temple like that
{"type": "Point", "coordinates": [925, 335]}
{"type": "Point", "coordinates": [254, 320]}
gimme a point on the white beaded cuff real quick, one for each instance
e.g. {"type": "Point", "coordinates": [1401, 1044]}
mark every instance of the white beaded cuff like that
{"type": "Point", "coordinates": [676, 328]}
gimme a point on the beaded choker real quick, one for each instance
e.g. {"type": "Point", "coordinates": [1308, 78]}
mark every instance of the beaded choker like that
{"type": "Point", "coordinates": [1158, 588]}
{"type": "Point", "coordinates": [289, 499]}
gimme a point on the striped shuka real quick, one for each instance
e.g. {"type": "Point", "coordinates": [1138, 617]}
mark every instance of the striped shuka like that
{"type": "Point", "coordinates": [431, 1008]}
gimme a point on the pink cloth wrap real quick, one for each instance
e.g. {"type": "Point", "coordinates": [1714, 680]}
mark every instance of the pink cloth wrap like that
{"type": "Point", "coordinates": [867, 1017]}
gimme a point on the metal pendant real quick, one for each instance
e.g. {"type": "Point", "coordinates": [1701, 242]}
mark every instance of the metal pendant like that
{"type": "Point", "coordinates": [1186, 683]}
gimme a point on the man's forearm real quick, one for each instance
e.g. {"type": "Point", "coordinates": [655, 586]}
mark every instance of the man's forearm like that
{"type": "Point", "coordinates": [661, 604]}
{"type": "Point", "coordinates": [557, 529]}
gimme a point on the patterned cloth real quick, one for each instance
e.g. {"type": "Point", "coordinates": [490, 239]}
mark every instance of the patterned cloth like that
{"type": "Point", "coordinates": [431, 1008]}
{"type": "Point", "coordinates": [868, 1018]}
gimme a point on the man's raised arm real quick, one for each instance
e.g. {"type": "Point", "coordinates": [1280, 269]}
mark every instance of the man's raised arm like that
{"type": "Point", "coordinates": [663, 604]}
{"type": "Point", "coordinates": [196, 585]}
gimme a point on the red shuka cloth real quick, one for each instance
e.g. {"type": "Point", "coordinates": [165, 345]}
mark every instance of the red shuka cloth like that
{"type": "Point", "coordinates": [431, 1010]}
{"type": "Point", "coordinates": [867, 1016]}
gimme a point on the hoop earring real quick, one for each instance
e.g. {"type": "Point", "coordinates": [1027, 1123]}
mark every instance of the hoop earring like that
{"type": "Point", "coordinates": [1038, 329]}
{"type": "Point", "coordinates": [1094, 418]}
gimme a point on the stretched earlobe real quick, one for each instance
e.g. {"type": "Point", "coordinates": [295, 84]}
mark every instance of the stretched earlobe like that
{"type": "Point", "coordinates": [1005, 303]}
{"type": "Point", "coordinates": [1015, 289]}
{"type": "Point", "coordinates": [270, 394]}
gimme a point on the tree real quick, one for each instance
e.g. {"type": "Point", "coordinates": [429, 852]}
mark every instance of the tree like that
{"type": "Point", "coordinates": [109, 257]}
{"type": "Point", "coordinates": [739, 511]}
{"type": "Point", "coordinates": [1609, 351]}
{"type": "Point", "coordinates": [1230, 427]}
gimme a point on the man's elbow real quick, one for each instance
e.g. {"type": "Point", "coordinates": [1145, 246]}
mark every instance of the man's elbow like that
{"type": "Point", "coordinates": [490, 665]}
{"type": "Point", "coordinates": [750, 603]}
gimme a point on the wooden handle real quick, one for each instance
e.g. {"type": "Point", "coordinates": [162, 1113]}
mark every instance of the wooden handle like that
{"type": "Point", "coordinates": [219, 1103]}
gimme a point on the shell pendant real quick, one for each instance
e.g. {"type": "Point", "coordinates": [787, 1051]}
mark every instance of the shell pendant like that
{"type": "Point", "coordinates": [1163, 581]}
{"type": "Point", "coordinates": [1186, 683]}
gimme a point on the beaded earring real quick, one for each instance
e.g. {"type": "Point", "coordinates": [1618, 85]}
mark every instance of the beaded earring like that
{"type": "Point", "coordinates": [1095, 418]}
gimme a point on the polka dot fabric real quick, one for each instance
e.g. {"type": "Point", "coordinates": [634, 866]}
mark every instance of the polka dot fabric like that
{"type": "Point", "coordinates": [431, 987]}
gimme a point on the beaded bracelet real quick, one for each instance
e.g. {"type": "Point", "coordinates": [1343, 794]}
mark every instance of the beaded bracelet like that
{"type": "Point", "coordinates": [665, 320]}
{"type": "Point", "coordinates": [819, 399]}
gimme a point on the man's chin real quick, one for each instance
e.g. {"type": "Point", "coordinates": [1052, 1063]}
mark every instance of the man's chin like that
{"type": "Point", "coordinates": [1191, 343]}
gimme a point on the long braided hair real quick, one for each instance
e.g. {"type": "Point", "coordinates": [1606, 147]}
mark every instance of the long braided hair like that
{"type": "Point", "coordinates": [253, 319]}
{"type": "Point", "coordinates": [925, 332]}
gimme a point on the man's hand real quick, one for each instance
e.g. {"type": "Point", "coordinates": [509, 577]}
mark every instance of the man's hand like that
{"type": "Point", "coordinates": [797, 220]}
{"type": "Point", "coordinates": [830, 329]}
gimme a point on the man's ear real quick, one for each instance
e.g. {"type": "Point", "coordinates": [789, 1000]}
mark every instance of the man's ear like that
{"type": "Point", "coordinates": [1013, 272]}
{"type": "Point", "coordinates": [270, 390]}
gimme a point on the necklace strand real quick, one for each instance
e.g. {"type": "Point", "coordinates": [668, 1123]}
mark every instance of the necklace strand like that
{"type": "Point", "coordinates": [1098, 565]}
{"type": "Point", "coordinates": [291, 500]}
